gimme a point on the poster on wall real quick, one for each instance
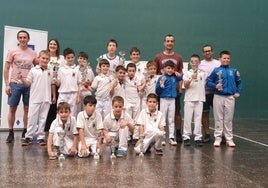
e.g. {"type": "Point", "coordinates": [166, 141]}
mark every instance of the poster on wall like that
{"type": "Point", "coordinates": [38, 42]}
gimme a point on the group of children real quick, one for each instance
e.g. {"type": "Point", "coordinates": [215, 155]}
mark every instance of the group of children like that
{"type": "Point", "coordinates": [126, 102]}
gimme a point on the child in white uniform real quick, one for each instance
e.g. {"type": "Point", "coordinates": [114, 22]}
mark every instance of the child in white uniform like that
{"type": "Point", "coordinates": [68, 81]}
{"type": "Point", "coordinates": [66, 122]}
{"type": "Point", "coordinates": [118, 124]}
{"type": "Point", "coordinates": [194, 83]}
{"type": "Point", "coordinates": [118, 86]}
{"type": "Point", "coordinates": [40, 80]}
{"type": "Point", "coordinates": [89, 124]}
{"type": "Point", "coordinates": [85, 76]}
{"type": "Point", "coordinates": [152, 125]}
{"type": "Point", "coordinates": [102, 84]}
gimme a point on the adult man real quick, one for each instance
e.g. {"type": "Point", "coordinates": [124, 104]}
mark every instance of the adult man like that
{"type": "Point", "coordinates": [160, 59]}
{"type": "Point", "coordinates": [20, 59]}
{"type": "Point", "coordinates": [207, 64]}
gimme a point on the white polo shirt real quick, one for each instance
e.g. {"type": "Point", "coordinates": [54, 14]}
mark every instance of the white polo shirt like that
{"type": "Point", "coordinates": [196, 91]}
{"type": "Point", "coordinates": [114, 62]}
{"type": "Point", "coordinates": [131, 89]}
{"type": "Point", "coordinates": [68, 77]}
{"type": "Point", "coordinates": [89, 124]}
{"type": "Point", "coordinates": [113, 125]}
{"type": "Point", "coordinates": [40, 80]}
{"type": "Point", "coordinates": [150, 86]}
{"type": "Point", "coordinates": [151, 121]}
{"type": "Point", "coordinates": [119, 90]}
{"type": "Point", "coordinates": [102, 83]}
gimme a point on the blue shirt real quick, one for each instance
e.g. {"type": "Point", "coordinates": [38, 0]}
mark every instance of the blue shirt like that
{"type": "Point", "coordinates": [170, 86]}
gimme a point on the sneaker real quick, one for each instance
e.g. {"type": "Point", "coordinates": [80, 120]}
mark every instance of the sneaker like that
{"type": "Point", "coordinates": [230, 143]}
{"type": "Point", "coordinates": [178, 135]}
{"type": "Point", "coordinates": [206, 138]}
{"type": "Point", "coordinates": [23, 133]}
{"type": "Point", "coordinates": [172, 142]}
{"type": "Point", "coordinates": [41, 142]}
{"type": "Point", "coordinates": [198, 143]}
{"type": "Point", "coordinates": [10, 137]}
{"type": "Point", "coordinates": [26, 142]}
{"type": "Point", "coordinates": [158, 151]}
{"type": "Point", "coordinates": [134, 141]}
{"type": "Point", "coordinates": [187, 142]}
{"type": "Point", "coordinates": [223, 140]}
{"type": "Point", "coordinates": [121, 153]}
{"type": "Point", "coordinates": [163, 143]}
{"type": "Point", "coordinates": [217, 143]}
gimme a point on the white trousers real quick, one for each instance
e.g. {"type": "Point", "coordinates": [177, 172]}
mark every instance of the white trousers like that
{"type": "Point", "coordinates": [151, 137]}
{"type": "Point", "coordinates": [70, 98]}
{"type": "Point", "coordinates": [104, 107]}
{"type": "Point", "coordinates": [90, 142]}
{"type": "Point", "coordinates": [122, 135]}
{"type": "Point", "coordinates": [134, 111]}
{"type": "Point", "coordinates": [223, 109]}
{"type": "Point", "coordinates": [68, 143]}
{"type": "Point", "coordinates": [192, 110]}
{"type": "Point", "coordinates": [37, 116]}
{"type": "Point", "coordinates": [167, 107]}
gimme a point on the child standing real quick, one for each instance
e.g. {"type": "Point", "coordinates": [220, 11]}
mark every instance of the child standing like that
{"type": "Point", "coordinates": [167, 91]}
{"type": "Point", "coordinates": [194, 83]}
{"type": "Point", "coordinates": [66, 122]}
{"type": "Point", "coordinates": [227, 86]}
{"type": "Point", "coordinates": [89, 124]}
{"type": "Point", "coordinates": [110, 56]}
{"type": "Point", "coordinates": [102, 85]}
{"type": "Point", "coordinates": [85, 76]}
{"type": "Point", "coordinates": [68, 81]}
{"type": "Point", "coordinates": [118, 86]}
{"type": "Point", "coordinates": [118, 124]}
{"type": "Point", "coordinates": [152, 125]}
{"type": "Point", "coordinates": [40, 80]}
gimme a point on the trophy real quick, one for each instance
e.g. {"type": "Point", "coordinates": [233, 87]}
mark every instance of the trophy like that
{"type": "Point", "coordinates": [56, 67]}
{"type": "Point", "coordinates": [122, 58]}
{"type": "Point", "coordinates": [61, 133]}
{"type": "Point", "coordinates": [162, 81]}
{"type": "Point", "coordinates": [220, 78]}
{"type": "Point", "coordinates": [19, 65]}
{"type": "Point", "coordinates": [141, 145]}
{"type": "Point", "coordinates": [113, 145]}
{"type": "Point", "coordinates": [97, 155]}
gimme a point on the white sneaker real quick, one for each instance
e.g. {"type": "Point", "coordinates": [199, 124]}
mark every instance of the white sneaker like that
{"type": "Point", "coordinates": [217, 143]}
{"type": "Point", "coordinates": [163, 143]}
{"type": "Point", "coordinates": [230, 143]}
{"type": "Point", "coordinates": [172, 142]}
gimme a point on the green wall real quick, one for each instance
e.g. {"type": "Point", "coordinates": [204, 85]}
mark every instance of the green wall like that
{"type": "Point", "coordinates": [239, 26]}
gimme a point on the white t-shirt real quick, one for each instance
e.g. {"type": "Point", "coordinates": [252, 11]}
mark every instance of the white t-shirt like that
{"type": "Point", "coordinates": [114, 62]}
{"type": "Point", "coordinates": [69, 127]}
{"type": "Point", "coordinates": [86, 77]}
{"type": "Point", "coordinates": [151, 121]}
{"type": "Point", "coordinates": [102, 84]}
{"type": "Point", "coordinates": [68, 77]}
{"type": "Point", "coordinates": [131, 90]}
{"type": "Point", "coordinates": [119, 90]}
{"type": "Point", "coordinates": [196, 91]}
{"type": "Point", "coordinates": [113, 125]}
{"type": "Point", "coordinates": [150, 85]}
{"type": "Point", "coordinates": [91, 124]}
{"type": "Point", "coordinates": [40, 90]}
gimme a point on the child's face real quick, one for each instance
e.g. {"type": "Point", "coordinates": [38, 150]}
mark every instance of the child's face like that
{"type": "Point", "coordinates": [117, 108]}
{"type": "Point", "coordinates": [152, 104]}
{"type": "Point", "coordinates": [64, 114]}
{"type": "Point", "coordinates": [69, 59]}
{"type": "Point", "coordinates": [82, 61]}
{"type": "Point", "coordinates": [52, 46]}
{"type": "Point", "coordinates": [111, 48]}
{"type": "Point", "coordinates": [121, 74]}
{"type": "Point", "coordinates": [90, 108]}
{"type": "Point", "coordinates": [225, 59]}
{"type": "Point", "coordinates": [131, 72]}
{"type": "Point", "coordinates": [169, 70]}
{"type": "Point", "coordinates": [194, 62]}
{"type": "Point", "coordinates": [43, 60]}
{"type": "Point", "coordinates": [104, 68]}
{"type": "Point", "coordinates": [152, 70]}
{"type": "Point", "coordinates": [135, 57]}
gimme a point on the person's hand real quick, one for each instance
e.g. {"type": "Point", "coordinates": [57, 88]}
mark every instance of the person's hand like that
{"type": "Point", "coordinates": [123, 124]}
{"type": "Point", "coordinates": [161, 127]}
{"type": "Point", "coordinates": [52, 154]}
{"type": "Point", "coordinates": [83, 150]}
{"type": "Point", "coordinates": [8, 90]}
{"type": "Point", "coordinates": [177, 73]}
{"type": "Point", "coordinates": [72, 150]}
{"type": "Point", "coordinates": [194, 76]}
{"type": "Point", "coordinates": [219, 86]}
{"type": "Point", "coordinates": [236, 95]}
{"type": "Point", "coordinates": [108, 139]}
